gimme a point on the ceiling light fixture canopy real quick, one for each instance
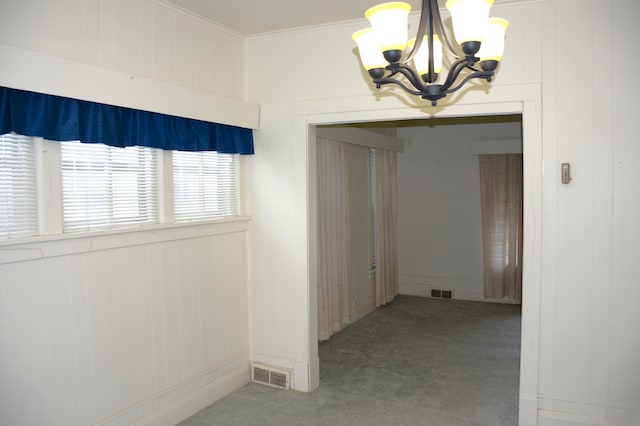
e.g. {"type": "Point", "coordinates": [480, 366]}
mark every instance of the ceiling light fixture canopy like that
{"type": "Point", "coordinates": [386, 52]}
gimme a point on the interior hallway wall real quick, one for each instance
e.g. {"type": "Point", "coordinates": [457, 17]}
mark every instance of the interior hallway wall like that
{"type": "Point", "coordinates": [440, 228]}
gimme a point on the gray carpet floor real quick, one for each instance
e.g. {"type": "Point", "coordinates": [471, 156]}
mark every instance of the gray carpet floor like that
{"type": "Point", "coordinates": [416, 361]}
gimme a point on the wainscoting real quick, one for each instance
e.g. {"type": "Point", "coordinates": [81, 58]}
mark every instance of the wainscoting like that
{"type": "Point", "coordinates": [144, 326]}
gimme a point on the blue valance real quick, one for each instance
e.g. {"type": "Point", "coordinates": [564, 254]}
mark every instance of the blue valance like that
{"type": "Point", "coordinates": [58, 118]}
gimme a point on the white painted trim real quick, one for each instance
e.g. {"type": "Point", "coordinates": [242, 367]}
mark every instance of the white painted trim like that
{"type": "Point", "coordinates": [458, 293]}
{"type": "Point", "coordinates": [26, 70]}
{"type": "Point", "coordinates": [387, 105]}
{"type": "Point", "coordinates": [553, 418]}
{"type": "Point", "coordinates": [528, 410]}
{"type": "Point", "coordinates": [278, 362]}
{"type": "Point", "coordinates": [557, 410]}
{"type": "Point", "coordinates": [42, 247]}
{"type": "Point", "coordinates": [414, 290]}
{"type": "Point", "coordinates": [189, 405]}
{"type": "Point", "coordinates": [532, 259]}
{"type": "Point", "coordinates": [513, 99]}
{"type": "Point", "coordinates": [187, 12]}
{"type": "Point", "coordinates": [439, 281]}
{"type": "Point", "coordinates": [504, 146]}
{"type": "Point", "coordinates": [359, 22]}
{"type": "Point", "coordinates": [363, 309]}
{"type": "Point", "coordinates": [361, 137]}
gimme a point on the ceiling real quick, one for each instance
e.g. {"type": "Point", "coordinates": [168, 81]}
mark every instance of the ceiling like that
{"type": "Point", "coordinates": [250, 17]}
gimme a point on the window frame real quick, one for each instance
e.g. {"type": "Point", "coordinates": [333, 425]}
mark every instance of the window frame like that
{"type": "Point", "coordinates": [49, 194]}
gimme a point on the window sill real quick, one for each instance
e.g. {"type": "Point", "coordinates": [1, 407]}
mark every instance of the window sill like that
{"type": "Point", "coordinates": [46, 246]}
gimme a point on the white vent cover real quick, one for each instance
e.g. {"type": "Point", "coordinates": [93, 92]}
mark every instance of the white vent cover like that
{"type": "Point", "coordinates": [270, 376]}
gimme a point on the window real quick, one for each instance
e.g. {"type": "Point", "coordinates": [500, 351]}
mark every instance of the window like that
{"type": "Point", "coordinates": [501, 207]}
{"type": "Point", "coordinates": [91, 186]}
{"type": "Point", "coordinates": [205, 185]}
{"type": "Point", "coordinates": [18, 194]}
{"type": "Point", "coordinates": [107, 187]}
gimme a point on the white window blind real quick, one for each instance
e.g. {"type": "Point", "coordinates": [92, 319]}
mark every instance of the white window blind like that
{"type": "Point", "coordinates": [108, 187]}
{"type": "Point", "coordinates": [18, 194]}
{"type": "Point", "coordinates": [205, 185]}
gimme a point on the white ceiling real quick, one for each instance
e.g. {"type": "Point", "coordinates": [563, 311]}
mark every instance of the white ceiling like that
{"type": "Point", "coordinates": [258, 16]}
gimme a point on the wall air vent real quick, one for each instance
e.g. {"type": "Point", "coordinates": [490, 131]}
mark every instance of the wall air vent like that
{"type": "Point", "coordinates": [270, 376]}
{"type": "Point", "coordinates": [437, 293]}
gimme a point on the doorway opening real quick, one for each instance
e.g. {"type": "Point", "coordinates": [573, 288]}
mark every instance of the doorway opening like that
{"type": "Point", "coordinates": [528, 114]}
{"type": "Point", "coordinates": [440, 237]}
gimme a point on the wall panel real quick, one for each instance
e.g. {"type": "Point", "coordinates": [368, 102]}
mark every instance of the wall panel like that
{"type": "Point", "coordinates": [62, 385]}
{"type": "Point", "coordinates": [127, 38]}
{"type": "Point", "coordinates": [142, 38]}
{"type": "Point", "coordinates": [26, 343]}
{"type": "Point", "coordinates": [115, 333]}
{"type": "Point", "coordinates": [589, 368]}
{"type": "Point", "coordinates": [624, 387]}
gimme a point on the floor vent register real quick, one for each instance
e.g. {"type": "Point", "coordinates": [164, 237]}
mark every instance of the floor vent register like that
{"type": "Point", "coordinates": [270, 376]}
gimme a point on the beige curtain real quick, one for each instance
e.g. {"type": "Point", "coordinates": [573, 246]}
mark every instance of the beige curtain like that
{"type": "Point", "coordinates": [333, 238]}
{"type": "Point", "coordinates": [386, 226]}
{"type": "Point", "coordinates": [501, 198]}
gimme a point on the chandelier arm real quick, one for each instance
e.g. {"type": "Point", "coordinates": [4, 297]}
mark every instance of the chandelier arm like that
{"type": "Point", "coordinates": [387, 80]}
{"type": "Point", "coordinates": [411, 75]}
{"type": "Point", "coordinates": [442, 34]}
{"type": "Point", "coordinates": [454, 72]}
{"type": "Point", "coordinates": [478, 74]}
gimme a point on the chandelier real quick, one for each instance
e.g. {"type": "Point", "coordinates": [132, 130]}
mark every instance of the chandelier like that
{"type": "Point", "coordinates": [386, 53]}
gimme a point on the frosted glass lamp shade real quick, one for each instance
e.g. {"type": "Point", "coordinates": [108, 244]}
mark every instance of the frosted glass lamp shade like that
{"type": "Point", "coordinates": [390, 24]}
{"type": "Point", "coordinates": [493, 45]}
{"type": "Point", "coordinates": [368, 46]}
{"type": "Point", "coordinates": [470, 19]}
{"type": "Point", "coordinates": [421, 58]}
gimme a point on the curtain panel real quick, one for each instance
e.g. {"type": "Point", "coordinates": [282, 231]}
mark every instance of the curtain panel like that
{"type": "Point", "coordinates": [386, 226]}
{"type": "Point", "coordinates": [333, 238]}
{"type": "Point", "coordinates": [58, 118]}
{"type": "Point", "coordinates": [501, 203]}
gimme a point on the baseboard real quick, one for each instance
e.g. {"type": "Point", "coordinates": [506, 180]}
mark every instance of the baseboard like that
{"type": "Point", "coordinates": [556, 411]}
{"type": "Point", "coordinates": [306, 375]}
{"type": "Point", "coordinates": [458, 293]}
{"type": "Point", "coordinates": [362, 310]}
{"type": "Point", "coordinates": [528, 411]}
{"type": "Point", "coordinates": [414, 290]}
{"type": "Point", "coordinates": [181, 409]}
{"type": "Point", "coordinates": [551, 418]}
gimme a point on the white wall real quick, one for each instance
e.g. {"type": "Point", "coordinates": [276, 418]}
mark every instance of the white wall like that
{"type": "Point", "coordinates": [116, 328]}
{"type": "Point", "coordinates": [440, 229]}
{"type": "Point", "coordinates": [142, 38]}
{"type": "Point", "coordinates": [590, 319]}
{"type": "Point", "coordinates": [146, 326]}
{"type": "Point", "coordinates": [581, 345]}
